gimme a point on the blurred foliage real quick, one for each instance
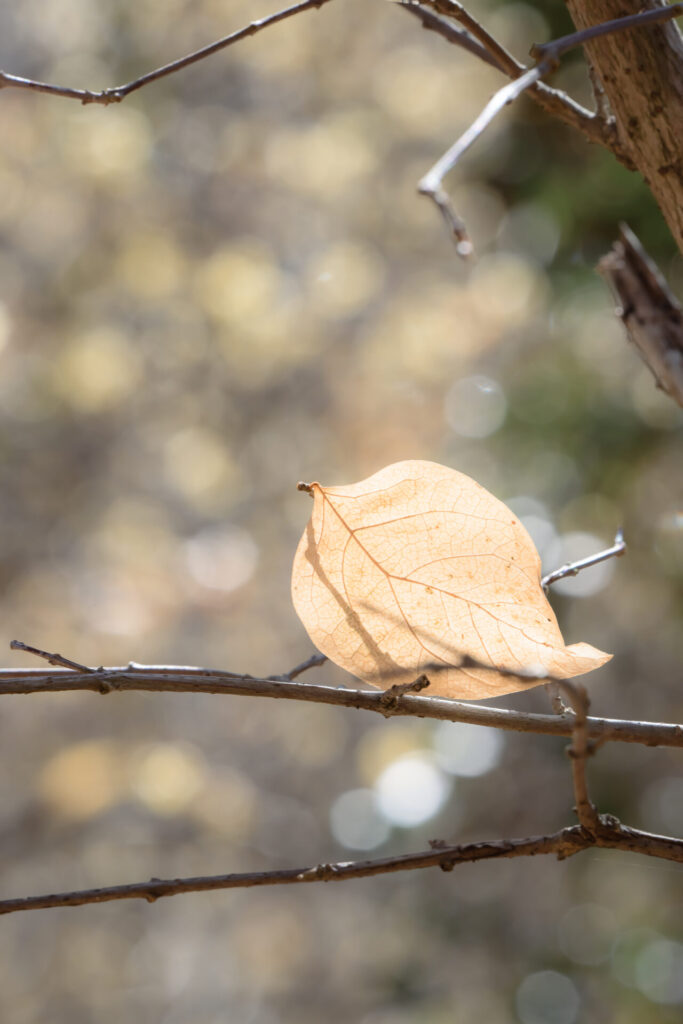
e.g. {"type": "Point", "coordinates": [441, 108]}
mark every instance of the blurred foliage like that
{"type": "Point", "coordinates": [222, 286]}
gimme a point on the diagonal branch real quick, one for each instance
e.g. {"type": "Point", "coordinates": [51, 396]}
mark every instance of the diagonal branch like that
{"type": "Point", "coordinates": [547, 56]}
{"type": "Point", "coordinates": [557, 47]}
{"type": "Point", "coordinates": [563, 844]}
{"type": "Point", "coordinates": [119, 92]}
{"type": "Point", "coordinates": [435, 23]}
{"type": "Point", "coordinates": [553, 101]}
{"type": "Point", "coordinates": [431, 185]}
{"type": "Point", "coordinates": [652, 316]}
{"type": "Point", "coordinates": [574, 568]}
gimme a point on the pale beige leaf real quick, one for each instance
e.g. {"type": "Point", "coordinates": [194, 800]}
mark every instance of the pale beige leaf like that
{"type": "Point", "coordinates": [419, 569]}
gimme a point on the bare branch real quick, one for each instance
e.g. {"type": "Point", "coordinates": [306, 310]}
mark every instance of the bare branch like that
{"type": "Point", "coordinates": [432, 22]}
{"type": "Point", "coordinates": [574, 568]}
{"type": "Point", "coordinates": [553, 101]}
{"type": "Point", "coordinates": [51, 659]}
{"type": "Point", "coordinates": [557, 47]}
{"type": "Point", "coordinates": [119, 92]}
{"type": "Point", "coordinates": [315, 661]}
{"type": "Point", "coordinates": [431, 184]}
{"type": "Point", "coordinates": [503, 59]}
{"type": "Point", "coordinates": [579, 751]}
{"type": "Point", "coordinates": [186, 679]}
{"type": "Point", "coordinates": [563, 844]}
{"type": "Point", "coordinates": [555, 696]}
{"type": "Point", "coordinates": [651, 315]}
{"type": "Point", "coordinates": [547, 57]}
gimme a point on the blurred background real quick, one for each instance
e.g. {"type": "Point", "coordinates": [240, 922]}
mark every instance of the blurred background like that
{"type": "Point", "coordinates": [222, 286]}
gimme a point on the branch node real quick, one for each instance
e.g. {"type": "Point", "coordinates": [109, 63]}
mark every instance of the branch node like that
{"type": "Point", "coordinates": [390, 698]}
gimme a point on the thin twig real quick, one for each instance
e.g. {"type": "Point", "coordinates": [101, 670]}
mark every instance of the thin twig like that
{"type": "Point", "coordinates": [51, 659]}
{"type": "Point", "coordinates": [563, 844]}
{"type": "Point", "coordinates": [579, 751]}
{"type": "Point", "coordinates": [554, 101]}
{"type": "Point", "coordinates": [602, 107]}
{"type": "Point", "coordinates": [574, 568]}
{"type": "Point", "coordinates": [433, 22]}
{"type": "Point", "coordinates": [119, 92]}
{"type": "Point", "coordinates": [556, 47]}
{"type": "Point", "coordinates": [315, 661]}
{"type": "Point", "coordinates": [547, 57]}
{"type": "Point", "coordinates": [502, 57]}
{"type": "Point", "coordinates": [186, 679]}
{"type": "Point", "coordinates": [431, 184]}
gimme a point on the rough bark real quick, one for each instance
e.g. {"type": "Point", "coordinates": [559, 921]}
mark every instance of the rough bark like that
{"type": "Point", "coordinates": [642, 74]}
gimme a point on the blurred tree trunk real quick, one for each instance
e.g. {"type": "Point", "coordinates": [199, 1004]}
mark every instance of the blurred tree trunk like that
{"type": "Point", "coordinates": [641, 72]}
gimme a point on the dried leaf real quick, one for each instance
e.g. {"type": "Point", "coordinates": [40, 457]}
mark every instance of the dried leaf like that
{"type": "Point", "coordinates": [419, 569]}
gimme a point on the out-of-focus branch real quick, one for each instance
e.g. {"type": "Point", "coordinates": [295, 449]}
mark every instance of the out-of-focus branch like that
{"type": "Point", "coordinates": [574, 568]}
{"type": "Point", "coordinates": [563, 844]}
{"type": "Point", "coordinates": [119, 92]}
{"type": "Point", "coordinates": [186, 679]}
{"type": "Point", "coordinates": [651, 315]}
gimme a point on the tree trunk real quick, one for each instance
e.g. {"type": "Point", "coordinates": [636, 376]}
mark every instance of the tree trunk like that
{"type": "Point", "coordinates": [642, 74]}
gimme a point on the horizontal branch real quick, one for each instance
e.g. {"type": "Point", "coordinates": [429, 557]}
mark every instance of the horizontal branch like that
{"type": "Point", "coordinates": [187, 679]}
{"type": "Point", "coordinates": [119, 92]}
{"type": "Point", "coordinates": [609, 833]}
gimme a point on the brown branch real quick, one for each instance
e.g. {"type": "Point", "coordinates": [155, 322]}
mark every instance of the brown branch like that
{"type": "Point", "coordinates": [554, 101]}
{"type": "Point", "coordinates": [434, 23]}
{"type": "Point", "coordinates": [579, 751]}
{"type": "Point", "coordinates": [503, 59]}
{"type": "Point", "coordinates": [119, 92]}
{"type": "Point", "coordinates": [556, 47]}
{"type": "Point", "coordinates": [651, 315]}
{"type": "Point", "coordinates": [315, 661]}
{"type": "Point", "coordinates": [563, 844]}
{"type": "Point", "coordinates": [547, 56]}
{"type": "Point", "coordinates": [641, 71]}
{"type": "Point", "coordinates": [186, 679]}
